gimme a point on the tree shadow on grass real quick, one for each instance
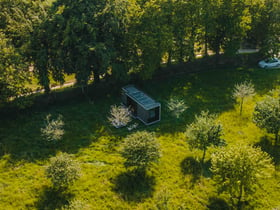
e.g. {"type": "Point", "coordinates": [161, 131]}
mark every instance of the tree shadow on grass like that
{"type": "Point", "coordinates": [52, 199]}
{"type": "Point", "coordinates": [134, 185]}
{"type": "Point", "coordinates": [273, 150]}
{"type": "Point", "coordinates": [217, 204]}
{"type": "Point", "coordinates": [191, 166]}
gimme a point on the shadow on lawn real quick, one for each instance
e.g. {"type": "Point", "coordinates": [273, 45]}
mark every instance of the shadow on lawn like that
{"type": "Point", "coordinates": [210, 90]}
{"type": "Point", "coordinates": [217, 204]}
{"type": "Point", "coordinates": [134, 186]}
{"type": "Point", "coordinates": [273, 150]}
{"type": "Point", "coordinates": [191, 166]}
{"type": "Point", "coordinates": [52, 199]}
{"type": "Point", "coordinates": [21, 138]}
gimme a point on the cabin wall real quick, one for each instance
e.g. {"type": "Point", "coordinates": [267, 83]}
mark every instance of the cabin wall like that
{"type": "Point", "coordinates": [142, 113]}
{"type": "Point", "coordinates": [124, 98]}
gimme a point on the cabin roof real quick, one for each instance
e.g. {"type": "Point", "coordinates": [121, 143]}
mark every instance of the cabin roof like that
{"type": "Point", "coordinates": [140, 97]}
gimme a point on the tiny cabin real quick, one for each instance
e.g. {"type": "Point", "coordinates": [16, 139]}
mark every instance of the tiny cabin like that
{"type": "Point", "coordinates": [141, 105]}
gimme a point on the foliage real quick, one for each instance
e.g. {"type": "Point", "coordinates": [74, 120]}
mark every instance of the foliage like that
{"type": "Point", "coordinates": [93, 48]}
{"type": "Point", "coordinates": [237, 170]}
{"type": "Point", "coordinates": [271, 21]}
{"type": "Point", "coordinates": [267, 115]}
{"type": "Point", "coordinates": [119, 116]}
{"type": "Point", "coordinates": [62, 171]}
{"type": "Point", "coordinates": [204, 132]}
{"type": "Point", "coordinates": [13, 72]}
{"type": "Point", "coordinates": [242, 91]}
{"type": "Point", "coordinates": [19, 18]}
{"type": "Point", "coordinates": [118, 38]}
{"type": "Point", "coordinates": [140, 149]}
{"type": "Point", "coordinates": [53, 130]}
{"type": "Point", "coordinates": [176, 106]}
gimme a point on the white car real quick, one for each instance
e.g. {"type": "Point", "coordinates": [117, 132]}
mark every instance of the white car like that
{"type": "Point", "coordinates": [270, 63]}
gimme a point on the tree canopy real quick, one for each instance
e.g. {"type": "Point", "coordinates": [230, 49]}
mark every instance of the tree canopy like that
{"type": "Point", "coordinates": [238, 169]}
{"type": "Point", "coordinates": [14, 72]}
{"type": "Point", "coordinates": [117, 38]}
{"type": "Point", "coordinates": [204, 132]}
{"type": "Point", "coordinates": [267, 115]}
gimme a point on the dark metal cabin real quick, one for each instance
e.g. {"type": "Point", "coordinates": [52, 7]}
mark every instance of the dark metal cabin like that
{"type": "Point", "coordinates": [142, 106]}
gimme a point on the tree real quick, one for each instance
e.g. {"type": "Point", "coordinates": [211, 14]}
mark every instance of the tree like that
{"type": "Point", "coordinates": [19, 22]}
{"type": "Point", "coordinates": [176, 106]}
{"type": "Point", "coordinates": [242, 91]}
{"type": "Point", "coordinates": [119, 116]}
{"type": "Point", "coordinates": [267, 115]}
{"type": "Point", "coordinates": [150, 37]}
{"type": "Point", "coordinates": [19, 18]}
{"type": "Point", "coordinates": [53, 130]}
{"type": "Point", "coordinates": [140, 149]}
{"type": "Point", "coordinates": [204, 132]}
{"type": "Point", "coordinates": [14, 72]}
{"type": "Point", "coordinates": [85, 38]}
{"type": "Point", "coordinates": [62, 171]}
{"type": "Point", "coordinates": [238, 169]}
{"type": "Point", "coordinates": [230, 22]}
{"type": "Point", "coordinates": [269, 21]}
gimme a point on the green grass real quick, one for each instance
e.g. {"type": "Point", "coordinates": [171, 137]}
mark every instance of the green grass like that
{"type": "Point", "coordinates": [105, 183]}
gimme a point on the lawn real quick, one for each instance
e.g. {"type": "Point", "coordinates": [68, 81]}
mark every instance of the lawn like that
{"type": "Point", "coordinates": [105, 183]}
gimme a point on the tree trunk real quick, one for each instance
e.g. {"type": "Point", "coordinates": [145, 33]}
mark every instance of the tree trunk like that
{"type": "Point", "coordinates": [169, 60]}
{"type": "Point", "coordinates": [276, 138]}
{"type": "Point", "coordinates": [47, 89]}
{"type": "Point", "coordinates": [96, 77]}
{"type": "Point", "coordinates": [192, 53]}
{"type": "Point", "coordinates": [205, 45]}
{"type": "Point", "coordinates": [239, 203]}
{"type": "Point", "coordinates": [241, 106]}
{"type": "Point", "coordinates": [203, 156]}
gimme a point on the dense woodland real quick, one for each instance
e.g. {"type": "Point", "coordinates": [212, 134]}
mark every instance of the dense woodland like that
{"type": "Point", "coordinates": [217, 144]}
{"type": "Point", "coordinates": [119, 38]}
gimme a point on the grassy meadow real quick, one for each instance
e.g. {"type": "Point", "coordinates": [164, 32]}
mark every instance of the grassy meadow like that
{"type": "Point", "coordinates": [105, 183]}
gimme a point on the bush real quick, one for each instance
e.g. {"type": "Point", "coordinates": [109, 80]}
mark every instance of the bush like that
{"type": "Point", "coordinates": [53, 130]}
{"type": "Point", "coordinates": [140, 149]}
{"type": "Point", "coordinates": [176, 106]}
{"type": "Point", "coordinates": [119, 116]}
{"type": "Point", "coordinates": [62, 171]}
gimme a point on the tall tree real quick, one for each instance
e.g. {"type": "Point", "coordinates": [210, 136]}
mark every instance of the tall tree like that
{"type": "Point", "coordinates": [270, 45]}
{"type": "Point", "coordinates": [231, 22]}
{"type": "Point", "coordinates": [152, 38]}
{"type": "Point", "coordinates": [83, 37]}
{"type": "Point", "coordinates": [19, 18]}
{"type": "Point", "coordinates": [14, 73]}
{"type": "Point", "coordinates": [18, 22]}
